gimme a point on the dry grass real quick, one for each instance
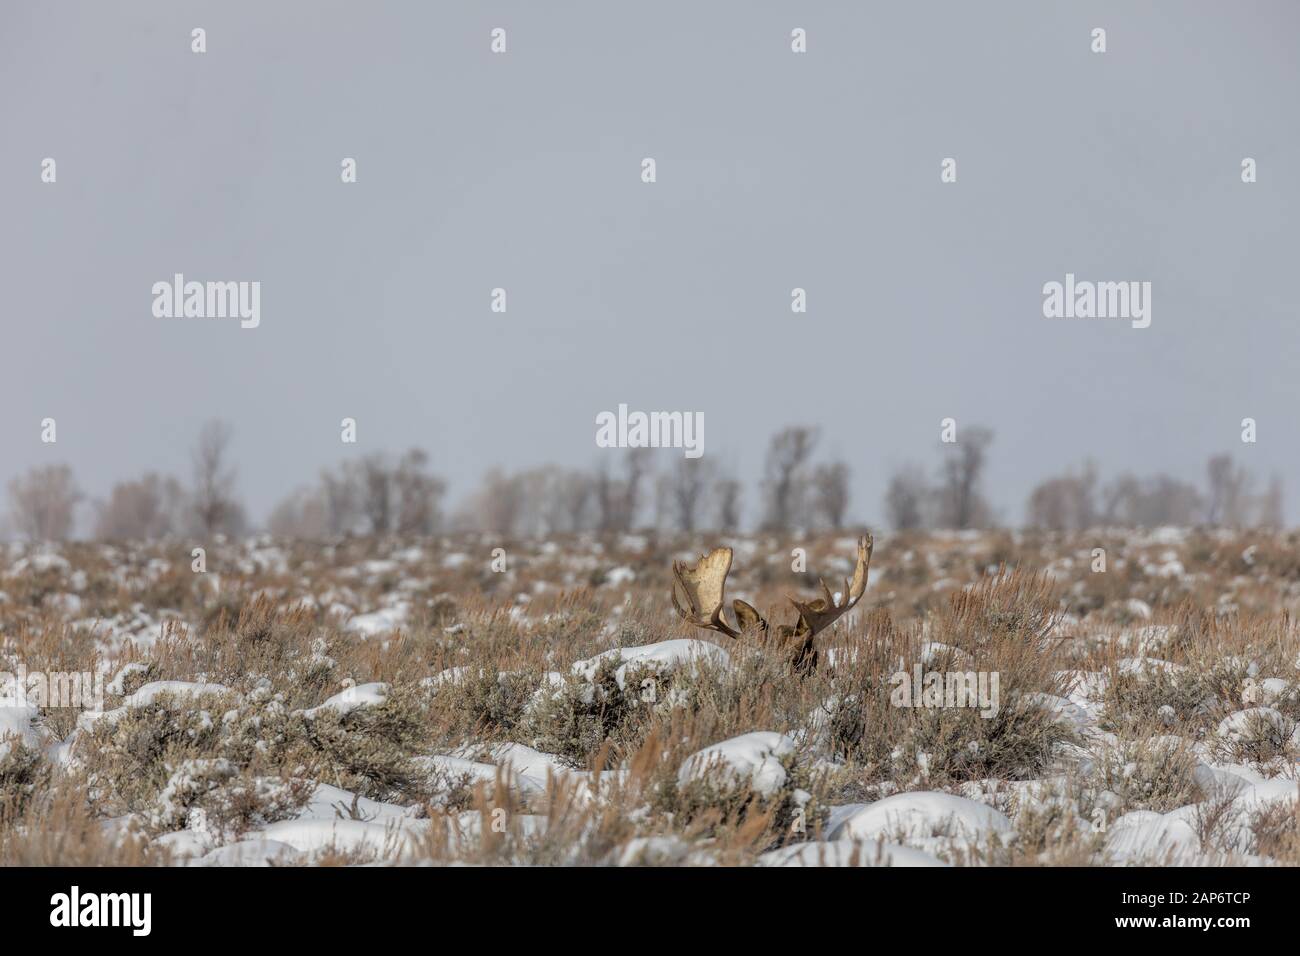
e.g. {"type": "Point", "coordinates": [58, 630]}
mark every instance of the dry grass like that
{"type": "Point", "coordinates": [251, 755]}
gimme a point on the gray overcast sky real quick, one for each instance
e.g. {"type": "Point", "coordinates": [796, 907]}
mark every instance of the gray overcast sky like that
{"type": "Point", "coordinates": [775, 170]}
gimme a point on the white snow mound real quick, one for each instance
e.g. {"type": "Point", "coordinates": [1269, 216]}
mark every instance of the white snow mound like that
{"type": "Point", "coordinates": [751, 759]}
{"type": "Point", "coordinates": [662, 658]}
{"type": "Point", "coordinates": [921, 816]}
{"type": "Point", "coordinates": [351, 698]}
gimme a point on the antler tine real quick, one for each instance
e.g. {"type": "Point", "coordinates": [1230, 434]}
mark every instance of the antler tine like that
{"type": "Point", "coordinates": [819, 614]}
{"type": "Point", "coordinates": [702, 588]}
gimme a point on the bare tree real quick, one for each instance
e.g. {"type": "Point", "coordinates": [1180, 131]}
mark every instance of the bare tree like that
{"type": "Point", "coordinates": [341, 497]}
{"type": "Point", "coordinates": [43, 502]}
{"type": "Point", "coordinates": [402, 498]}
{"type": "Point", "coordinates": [604, 489]}
{"type": "Point", "coordinates": [547, 509]}
{"type": "Point", "coordinates": [538, 501]}
{"type": "Point", "coordinates": [830, 483]}
{"type": "Point", "coordinates": [1136, 503]}
{"type": "Point", "coordinates": [1120, 500]}
{"type": "Point", "coordinates": [685, 489]}
{"type": "Point", "coordinates": [140, 510]}
{"type": "Point", "coordinates": [1271, 509]}
{"type": "Point", "coordinates": [1170, 501]}
{"type": "Point", "coordinates": [377, 493]}
{"type": "Point", "coordinates": [1230, 501]}
{"type": "Point", "coordinates": [638, 467]}
{"type": "Point", "coordinates": [1065, 503]}
{"type": "Point", "coordinates": [1229, 491]}
{"type": "Point", "coordinates": [418, 494]}
{"type": "Point", "coordinates": [214, 504]}
{"type": "Point", "coordinates": [575, 493]}
{"type": "Point", "coordinates": [303, 515]}
{"type": "Point", "coordinates": [905, 498]}
{"type": "Point", "coordinates": [784, 477]}
{"type": "Point", "coordinates": [618, 501]}
{"type": "Point", "coordinates": [501, 503]}
{"type": "Point", "coordinates": [961, 505]}
{"type": "Point", "coordinates": [727, 494]}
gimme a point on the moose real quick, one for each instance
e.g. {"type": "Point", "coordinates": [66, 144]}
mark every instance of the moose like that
{"type": "Point", "coordinates": [698, 596]}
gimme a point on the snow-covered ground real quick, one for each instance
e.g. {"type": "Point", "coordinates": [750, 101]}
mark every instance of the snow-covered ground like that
{"type": "Point", "coordinates": [373, 702]}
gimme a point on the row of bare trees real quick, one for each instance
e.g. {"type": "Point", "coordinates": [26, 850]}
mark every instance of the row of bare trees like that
{"type": "Point", "coordinates": [954, 498]}
{"type": "Point", "coordinates": [380, 495]}
{"type": "Point", "coordinates": [689, 495]}
{"type": "Point", "coordinates": [1077, 500]}
{"type": "Point", "coordinates": [693, 493]}
{"type": "Point", "coordinates": [797, 493]}
{"type": "Point", "coordinates": [374, 495]}
{"type": "Point", "coordinates": [370, 496]}
{"type": "Point", "coordinates": [43, 502]}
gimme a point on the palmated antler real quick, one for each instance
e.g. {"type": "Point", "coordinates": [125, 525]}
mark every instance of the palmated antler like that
{"type": "Point", "coordinates": [702, 589]}
{"type": "Point", "coordinates": [821, 613]}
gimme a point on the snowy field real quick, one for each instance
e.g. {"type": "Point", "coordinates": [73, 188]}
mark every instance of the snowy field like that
{"type": "Point", "coordinates": [405, 701]}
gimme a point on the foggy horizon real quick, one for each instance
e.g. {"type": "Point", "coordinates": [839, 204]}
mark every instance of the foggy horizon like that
{"type": "Point", "coordinates": [522, 171]}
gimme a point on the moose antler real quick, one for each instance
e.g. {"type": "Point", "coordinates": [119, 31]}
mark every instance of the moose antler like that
{"type": "Point", "coordinates": [702, 588]}
{"type": "Point", "coordinates": [819, 614]}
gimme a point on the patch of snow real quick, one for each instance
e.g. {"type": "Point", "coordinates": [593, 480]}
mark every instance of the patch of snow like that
{"type": "Point", "coordinates": [1148, 666]}
{"type": "Point", "coordinates": [1146, 836]}
{"type": "Point", "coordinates": [256, 852]}
{"type": "Point", "coordinates": [351, 698]}
{"type": "Point", "coordinates": [662, 658]}
{"type": "Point", "coordinates": [39, 563]}
{"type": "Point", "coordinates": [1062, 710]}
{"type": "Point", "coordinates": [1137, 608]}
{"type": "Point", "coordinates": [1244, 724]}
{"type": "Point", "coordinates": [379, 622]}
{"type": "Point", "coordinates": [620, 575]}
{"type": "Point", "coordinates": [651, 851]}
{"type": "Point", "coordinates": [847, 853]}
{"type": "Point", "coordinates": [20, 722]}
{"type": "Point", "coordinates": [332, 803]}
{"type": "Point", "coordinates": [148, 694]}
{"type": "Point", "coordinates": [920, 816]}
{"type": "Point", "coordinates": [387, 840]}
{"type": "Point", "coordinates": [751, 760]}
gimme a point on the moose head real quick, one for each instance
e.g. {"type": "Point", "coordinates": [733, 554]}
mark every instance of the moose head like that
{"type": "Point", "coordinates": [698, 597]}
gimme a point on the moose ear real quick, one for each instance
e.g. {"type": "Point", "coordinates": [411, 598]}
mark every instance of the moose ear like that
{"type": "Point", "coordinates": [748, 618]}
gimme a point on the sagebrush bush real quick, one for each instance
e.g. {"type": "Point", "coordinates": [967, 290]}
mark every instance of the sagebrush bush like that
{"type": "Point", "coordinates": [1149, 774]}
{"type": "Point", "coordinates": [24, 772]}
